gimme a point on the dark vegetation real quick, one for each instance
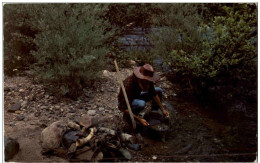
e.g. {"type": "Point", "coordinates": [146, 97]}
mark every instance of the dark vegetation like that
{"type": "Point", "coordinates": [206, 47]}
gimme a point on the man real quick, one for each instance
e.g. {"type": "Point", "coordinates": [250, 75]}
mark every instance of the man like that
{"type": "Point", "coordinates": [140, 89]}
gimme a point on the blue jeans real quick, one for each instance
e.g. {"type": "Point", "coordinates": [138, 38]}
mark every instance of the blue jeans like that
{"type": "Point", "coordinates": [139, 104]}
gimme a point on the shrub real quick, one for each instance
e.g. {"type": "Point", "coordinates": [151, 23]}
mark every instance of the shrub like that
{"type": "Point", "coordinates": [18, 38]}
{"type": "Point", "coordinates": [71, 45]}
{"type": "Point", "coordinates": [223, 50]}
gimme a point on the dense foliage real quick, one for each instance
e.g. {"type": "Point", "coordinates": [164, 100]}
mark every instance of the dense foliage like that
{"type": "Point", "coordinates": [223, 50]}
{"type": "Point", "coordinates": [71, 45]}
{"type": "Point", "coordinates": [207, 44]}
{"type": "Point", "coordinates": [18, 39]}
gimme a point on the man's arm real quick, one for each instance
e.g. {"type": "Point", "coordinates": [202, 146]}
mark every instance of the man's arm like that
{"type": "Point", "coordinates": [141, 120]}
{"type": "Point", "coordinates": [159, 103]}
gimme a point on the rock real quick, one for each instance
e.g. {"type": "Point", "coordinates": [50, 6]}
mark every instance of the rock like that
{"type": "Point", "coordinates": [15, 107]}
{"type": "Point", "coordinates": [20, 118]}
{"type": "Point", "coordinates": [101, 109]}
{"type": "Point", "coordinates": [72, 111]}
{"type": "Point", "coordinates": [106, 73]}
{"type": "Point", "coordinates": [85, 121]}
{"type": "Point", "coordinates": [21, 90]}
{"type": "Point", "coordinates": [135, 147]}
{"type": "Point", "coordinates": [51, 136]}
{"type": "Point", "coordinates": [57, 107]}
{"type": "Point", "coordinates": [108, 130]}
{"type": "Point", "coordinates": [69, 138]}
{"type": "Point", "coordinates": [126, 137]}
{"type": "Point", "coordinates": [37, 114]}
{"type": "Point", "coordinates": [44, 107]}
{"type": "Point", "coordinates": [154, 157]}
{"type": "Point", "coordinates": [24, 103]}
{"type": "Point", "coordinates": [91, 112]}
{"type": "Point", "coordinates": [11, 147]}
{"type": "Point", "coordinates": [125, 153]}
{"type": "Point", "coordinates": [84, 154]}
{"type": "Point", "coordinates": [72, 148]}
{"type": "Point", "coordinates": [98, 157]}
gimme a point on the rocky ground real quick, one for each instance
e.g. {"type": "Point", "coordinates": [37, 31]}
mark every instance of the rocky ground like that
{"type": "Point", "coordinates": [28, 109]}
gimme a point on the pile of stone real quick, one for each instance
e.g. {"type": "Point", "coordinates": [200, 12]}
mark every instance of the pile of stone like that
{"type": "Point", "coordinates": [85, 140]}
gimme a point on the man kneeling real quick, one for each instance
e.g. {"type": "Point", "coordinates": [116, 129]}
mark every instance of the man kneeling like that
{"type": "Point", "coordinates": [140, 89]}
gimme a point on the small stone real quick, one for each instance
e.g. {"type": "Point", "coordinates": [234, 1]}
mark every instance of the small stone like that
{"type": "Point", "coordinates": [44, 107]}
{"type": "Point", "coordinates": [154, 157]}
{"type": "Point", "coordinates": [9, 93]}
{"type": "Point", "coordinates": [106, 73]}
{"type": "Point", "coordinates": [72, 111]}
{"type": "Point", "coordinates": [57, 106]}
{"type": "Point", "coordinates": [174, 94]}
{"type": "Point", "coordinates": [91, 112]}
{"type": "Point", "coordinates": [20, 118]}
{"type": "Point", "coordinates": [101, 109]}
{"type": "Point", "coordinates": [37, 114]}
{"type": "Point", "coordinates": [15, 107]}
{"type": "Point", "coordinates": [125, 153]}
{"type": "Point", "coordinates": [18, 112]}
{"type": "Point", "coordinates": [21, 90]}
{"type": "Point", "coordinates": [24, 103]}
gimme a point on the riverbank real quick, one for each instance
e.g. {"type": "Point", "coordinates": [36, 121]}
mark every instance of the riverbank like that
{"type": "Point", "coordinates": [195, 134]}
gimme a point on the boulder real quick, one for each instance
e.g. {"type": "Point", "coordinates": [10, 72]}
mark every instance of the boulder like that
{"type": "Point", "coordinates": [11, 147]}
{"type": "Point", "coordinates": [51, 136]}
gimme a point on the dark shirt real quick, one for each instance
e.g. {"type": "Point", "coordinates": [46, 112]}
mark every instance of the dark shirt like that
{"type": "Point", "coordinates": [133, 91]}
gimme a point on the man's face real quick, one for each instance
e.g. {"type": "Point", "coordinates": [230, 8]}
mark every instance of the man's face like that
{"type": "Point", "coordinates": [144, 84]}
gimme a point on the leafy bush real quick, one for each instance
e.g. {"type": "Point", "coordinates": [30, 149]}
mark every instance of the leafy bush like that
{"type": "Point", "coordinates": [71, 44]}
{"type": "Point", "coordinates": [223, 50]}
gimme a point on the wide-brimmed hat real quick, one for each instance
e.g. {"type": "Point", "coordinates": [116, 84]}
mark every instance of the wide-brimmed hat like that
{"type": "Point", "coordinates": [146, 72]}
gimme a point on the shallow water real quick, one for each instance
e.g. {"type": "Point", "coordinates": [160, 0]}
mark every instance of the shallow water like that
{"type": "Point", "coordinates": [196, 135]}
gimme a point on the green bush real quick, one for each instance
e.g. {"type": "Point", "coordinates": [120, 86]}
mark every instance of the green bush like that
{"type": "Point", "coordinates": [71, 45]}
{"type": "Point", "coordinates": [222, 50]}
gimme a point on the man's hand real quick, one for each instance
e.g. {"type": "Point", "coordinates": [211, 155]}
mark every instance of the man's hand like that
{"type": "Point", "coordinates": [144, 122]}
{"type": "Point", "coordinates": [167, 114]}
